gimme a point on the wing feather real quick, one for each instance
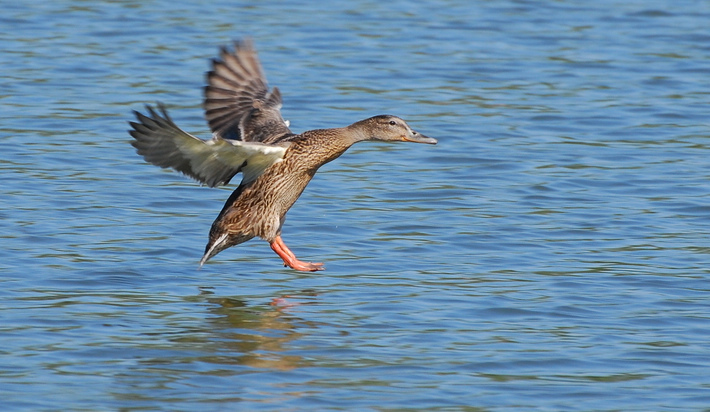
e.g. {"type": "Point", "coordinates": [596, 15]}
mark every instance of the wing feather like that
{"type": "Point", "coordinates": [238, 103]}
{"type": "Point", "coordinates": [212, 162]}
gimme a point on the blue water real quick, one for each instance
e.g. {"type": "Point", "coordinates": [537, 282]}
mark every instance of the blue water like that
{"type": "Point", "coordinates": [551, 253]}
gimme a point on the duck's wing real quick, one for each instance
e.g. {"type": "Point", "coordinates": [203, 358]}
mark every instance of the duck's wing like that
{"type": "Point", "coordinates": [212, 162]}
{"type": "Point", "coordinates": [238, 104]}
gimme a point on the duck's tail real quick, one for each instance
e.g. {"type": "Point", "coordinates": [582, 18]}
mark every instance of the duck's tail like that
{"type": "Point", "coordinates": [214, 247]}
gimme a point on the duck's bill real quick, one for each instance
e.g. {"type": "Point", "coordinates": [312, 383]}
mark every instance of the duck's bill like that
{"type": "Point", "coordinates": [420, 138]}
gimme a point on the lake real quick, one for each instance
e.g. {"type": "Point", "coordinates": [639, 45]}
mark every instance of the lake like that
{"type": "Point", "coordinates": [551, 253]}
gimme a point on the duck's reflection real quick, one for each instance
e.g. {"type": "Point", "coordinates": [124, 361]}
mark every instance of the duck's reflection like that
{"type": "Point", "coordinates": [257, 335]}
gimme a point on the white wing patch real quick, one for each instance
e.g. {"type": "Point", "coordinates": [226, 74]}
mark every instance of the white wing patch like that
{"type": "Point", "coordinates": [254, 158]}
{"type": "Point", "coordinates": [212, 157]}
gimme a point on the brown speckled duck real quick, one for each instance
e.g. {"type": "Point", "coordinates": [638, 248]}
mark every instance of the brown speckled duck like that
{"type": "Point", "coordinates": [251, 137]}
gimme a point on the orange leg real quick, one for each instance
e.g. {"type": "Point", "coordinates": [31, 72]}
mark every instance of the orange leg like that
{"type": "Point", "coordinates": [290, 259]}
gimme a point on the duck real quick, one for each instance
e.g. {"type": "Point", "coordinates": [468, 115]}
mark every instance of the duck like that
{"type": "Point", "coordinates": [250, 136]}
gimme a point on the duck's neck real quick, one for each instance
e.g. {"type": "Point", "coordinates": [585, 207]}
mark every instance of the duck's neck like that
{"type": "Point", "coordinates": [356, 133]}
{"type": "Point", "coordinates": [318, 147]}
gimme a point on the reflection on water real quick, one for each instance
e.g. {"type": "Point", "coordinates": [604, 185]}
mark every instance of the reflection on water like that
{"type": "Point", "coordinates": [234, 339]}
{"type": "Point", "coordinates": [261, 335]}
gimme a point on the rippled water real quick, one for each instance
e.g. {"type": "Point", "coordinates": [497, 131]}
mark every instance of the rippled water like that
{"type": "Point", "coordinates": [551, 253]}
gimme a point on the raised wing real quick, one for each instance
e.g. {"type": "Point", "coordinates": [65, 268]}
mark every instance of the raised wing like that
{"type": "Point", "coordinates": [238, 103]}
{"type": "Point", "coordinates": [212, 162]}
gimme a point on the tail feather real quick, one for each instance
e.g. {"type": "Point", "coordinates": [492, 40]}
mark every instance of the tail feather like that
{"type": "Point", "coordinates": [215, 247]}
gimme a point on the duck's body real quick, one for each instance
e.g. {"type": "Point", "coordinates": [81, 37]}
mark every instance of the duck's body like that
{"type": "Point", "coordinates": [258, 209]}
{"type": "Point", "coordinates": [250, 136]}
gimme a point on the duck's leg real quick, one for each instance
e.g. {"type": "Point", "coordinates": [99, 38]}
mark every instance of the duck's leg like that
{"type": "Point", "coordinates": [290, 259]}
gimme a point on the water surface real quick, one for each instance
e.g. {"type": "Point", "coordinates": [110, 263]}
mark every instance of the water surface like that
{"type": "Point", "coordinates": [550, 253]}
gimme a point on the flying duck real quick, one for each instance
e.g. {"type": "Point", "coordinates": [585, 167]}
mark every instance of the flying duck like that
{"type": "Point", "coordinates": [250, 136]}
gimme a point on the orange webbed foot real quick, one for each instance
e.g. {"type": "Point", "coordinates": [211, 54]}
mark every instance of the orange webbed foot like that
{"type": "Point", "coordinates": [290, 259]}
{"type": "Point", "coordinates": [304, 266]}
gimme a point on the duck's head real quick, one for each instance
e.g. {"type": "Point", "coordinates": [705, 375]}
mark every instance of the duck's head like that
{"type": "Point", "coordinates": [389, 128]}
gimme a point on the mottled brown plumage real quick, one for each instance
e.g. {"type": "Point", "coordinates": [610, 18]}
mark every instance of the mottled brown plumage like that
{"type": "Point", "coordinates": [250, 136]}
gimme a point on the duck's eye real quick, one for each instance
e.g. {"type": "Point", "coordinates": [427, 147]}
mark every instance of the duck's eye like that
{"type": "Point", "coordinates": [392, 123]}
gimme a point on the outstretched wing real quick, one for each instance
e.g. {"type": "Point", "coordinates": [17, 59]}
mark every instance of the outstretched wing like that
{"type": "Point", "coordinates": [238, 103]}
{"type": "Point", "coordinates": [212, 162]}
